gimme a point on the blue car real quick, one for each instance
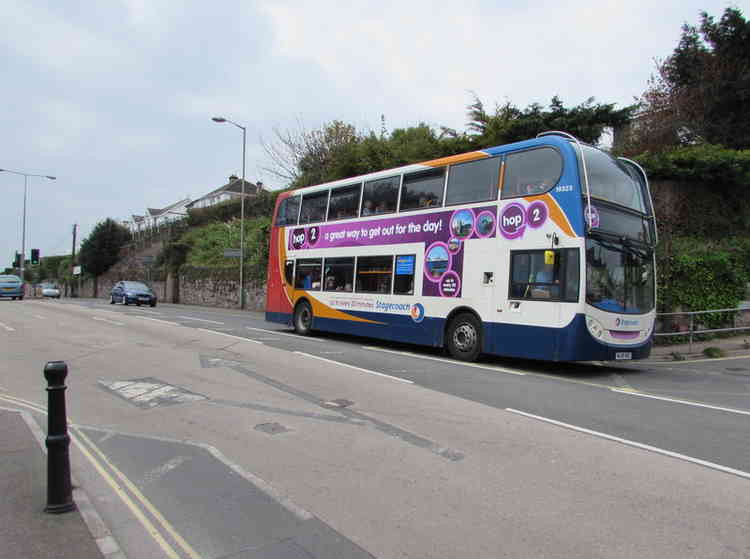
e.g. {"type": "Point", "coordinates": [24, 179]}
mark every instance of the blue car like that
{"type": "Point", "coordinates": [11, 286]}
{"type": "Point", "coordinates": [132, 292]}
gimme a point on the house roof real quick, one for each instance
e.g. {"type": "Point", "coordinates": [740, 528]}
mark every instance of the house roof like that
{"type": "Point", "coordinates": [159, 211]}
{"type": "Point", "coordinates": [234, 186]}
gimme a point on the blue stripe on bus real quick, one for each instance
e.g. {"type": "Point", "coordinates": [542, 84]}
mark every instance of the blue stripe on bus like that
{"type": "Point", "coordinates": [570, 343]}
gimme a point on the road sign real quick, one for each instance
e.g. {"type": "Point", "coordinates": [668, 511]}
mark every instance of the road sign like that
{"type": "Point", "coordinates": [232, 253]}
{"type": "Point", "coordinates": [76, 270]}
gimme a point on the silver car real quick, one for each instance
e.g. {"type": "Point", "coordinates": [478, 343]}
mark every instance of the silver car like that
{"type": "Point", "coordinates": [50, 290]}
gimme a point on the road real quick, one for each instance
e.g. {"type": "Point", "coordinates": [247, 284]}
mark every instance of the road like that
{"type": "Point", "coordinates": [396, 451]}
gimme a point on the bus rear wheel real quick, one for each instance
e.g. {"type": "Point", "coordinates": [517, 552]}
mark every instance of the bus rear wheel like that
{"type": "Point", "coordinates": [464, 337]}
{"type": "Point", "coordinates": [303, 318]}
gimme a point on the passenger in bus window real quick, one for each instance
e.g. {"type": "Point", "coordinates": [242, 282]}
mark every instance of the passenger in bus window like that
{"type": "Point", "coordinates": [381, 209]}
{"type": "Point", "coordinates": [368, 208]}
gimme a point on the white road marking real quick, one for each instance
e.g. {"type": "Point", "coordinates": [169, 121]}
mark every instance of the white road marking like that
{"type": "Point", "coordinates": [369, 372]}
{"type": "Point", "coordinates": [296, 336]}
{"type": "Point", "coordinates": [201, 319]}
{"type": "Point", "coordinates": [676, 401]}
{"type": "Point", "coordinates": [159, 320]}
{"type": "Point", "coordinates": [230, 336]}
{"type": "Point", "coordinates": [8, 328]}
{"type": "Point", "coordinates": [108, 321]}
{"type": "Point", "coordinates": [40, 317]}
{"type": "Point", "coordinates": [448, 361]}
{"type": "Point", "coordinates": [156, 474]}
{"type": "Point", "coordinates": [642, 446]}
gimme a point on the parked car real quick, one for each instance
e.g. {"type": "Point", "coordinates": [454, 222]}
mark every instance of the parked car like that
{"type": "Point", "coordinates": [50, 290]}
{"type": "Point", "coordinates": [11, 286]}
{"type": "Point", "coordinates": [132, 292]}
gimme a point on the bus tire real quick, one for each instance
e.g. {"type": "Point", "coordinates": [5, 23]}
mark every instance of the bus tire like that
{"type": "Point", "coordinates": [303, 318]}
{"type": "Point", "coordinates": [464, 337]}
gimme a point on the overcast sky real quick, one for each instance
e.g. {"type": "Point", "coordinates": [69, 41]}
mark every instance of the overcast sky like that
{"type": "Point", "coordinates": [115, 98]}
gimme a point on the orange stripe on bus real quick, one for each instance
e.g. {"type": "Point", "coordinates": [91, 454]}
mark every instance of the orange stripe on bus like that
{"type": "Point", "coordinates": [555, 213]}
{"type": "Point", "coordinates": [471, 156]}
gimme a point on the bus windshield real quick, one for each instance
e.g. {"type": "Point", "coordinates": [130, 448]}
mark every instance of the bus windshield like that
{"type": "Point", "coordinates": [619, 276]}
{"type": "Point", "coordinates": [612, 180]}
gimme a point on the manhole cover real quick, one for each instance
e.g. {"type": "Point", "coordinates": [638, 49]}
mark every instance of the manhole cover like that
{"type": "Point", "coordinates": [271, 428]}
{"type": "Point", "coordinates": [335, 404]}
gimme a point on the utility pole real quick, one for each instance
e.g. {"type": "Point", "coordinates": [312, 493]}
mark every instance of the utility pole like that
{"type": "Point", "coordinates": [73, 262]}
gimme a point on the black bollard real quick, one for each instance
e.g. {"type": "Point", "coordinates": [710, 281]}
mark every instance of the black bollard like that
{"type": "Point", "coordinates": [59, 489]}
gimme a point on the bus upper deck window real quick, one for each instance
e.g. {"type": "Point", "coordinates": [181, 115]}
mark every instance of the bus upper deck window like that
{"type": "Point", "coordinates": [380, 196]}
{"type": "Point", "coordinates": [531, 172]}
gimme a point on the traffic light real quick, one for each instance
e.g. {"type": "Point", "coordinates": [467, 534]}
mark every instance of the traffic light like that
{"type": "Point", "coordinates": [35, 256]}
{"type": "Point", "coordinates": [17, 261]}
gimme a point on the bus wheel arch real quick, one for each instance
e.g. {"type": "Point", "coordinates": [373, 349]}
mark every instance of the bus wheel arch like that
{"type": "Point", "coordinates": [463, 336]}
{"type": "Point", "coordinates": [303, 317]}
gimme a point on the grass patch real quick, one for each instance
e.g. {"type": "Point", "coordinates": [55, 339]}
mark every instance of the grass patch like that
{"type": "Point", "coordinates": [713, 352]}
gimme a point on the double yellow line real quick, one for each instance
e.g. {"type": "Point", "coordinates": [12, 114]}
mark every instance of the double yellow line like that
{"type": "Point", "coordinates": [99, 460]}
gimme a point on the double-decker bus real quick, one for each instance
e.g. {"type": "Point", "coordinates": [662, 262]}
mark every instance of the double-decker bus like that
{"type": "Point", "coordinates": [540, 249]}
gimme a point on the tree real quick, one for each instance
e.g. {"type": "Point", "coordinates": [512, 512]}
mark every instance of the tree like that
{"type": "Point", "coordinates": [701, 93]}
{"type": "Point", "coordinates": [101, 249]}
{"type": "Point", "coordinates": [508, 123]}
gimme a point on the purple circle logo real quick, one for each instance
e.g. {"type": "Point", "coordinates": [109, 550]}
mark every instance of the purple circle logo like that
{"type": "Point", "coordinates": [512, 221]}
{"type": "Point", "coordinates": [437, 261]}
{"type": "Point", "coordinates": [485, 224]}
{"type": "Point", "coordinates": [462, 224]}
{"type": "Point", "coordinates": [313, 234]}
{"type": "Point", "coordinates": [592, 216]}
{"type": "Point", "coordinates": [299, 238]}
{"type": "Point", "coordinates": [536, 214]}
{"type": "Point", "coordinates": [450, 284]}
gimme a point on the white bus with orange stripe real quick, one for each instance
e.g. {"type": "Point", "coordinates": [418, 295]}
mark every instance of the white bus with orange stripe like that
{"type": "Point", "coordinates": [540, 249]}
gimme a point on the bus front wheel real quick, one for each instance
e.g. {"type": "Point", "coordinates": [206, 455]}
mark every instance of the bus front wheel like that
{"type": "Point", "coordinates": [303, 318]}
{"type": "Point", "coordinates": [464, 337]}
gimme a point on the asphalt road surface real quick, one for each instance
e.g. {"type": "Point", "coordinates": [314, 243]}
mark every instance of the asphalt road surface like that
{"type": "Point", "coordinates": [234, 436]}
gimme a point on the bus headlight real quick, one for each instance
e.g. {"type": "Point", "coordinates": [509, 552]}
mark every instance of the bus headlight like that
{"type": "Point", "coordinates": [595, 327]}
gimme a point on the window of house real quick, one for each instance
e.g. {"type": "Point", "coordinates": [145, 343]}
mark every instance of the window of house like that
{"type": "Point", "coordinates": [307, 274]}
{"type": "Point", "coordinates": [423, 189]}
{"type": "Point", "coordinates": [403, 281]}
{"type": "Point", "coordinates": [475, 181]}
{"type": "Point", "coordinates": [344, 202]}
{"type": "Point", "coordinates": [338, 274]}
{"type": "Point", "coordinates": [531, 172]}
{"type": "Point", "coordinates": [288, 211]}
{"type": "Point", "coordinates": [545, 275]}
{"type": "Point", "coordinates": [314, 207]}
{"type": "Point", "coordinates": [374, 274]}
{"type": "Point", "coordinates": [379, 196]}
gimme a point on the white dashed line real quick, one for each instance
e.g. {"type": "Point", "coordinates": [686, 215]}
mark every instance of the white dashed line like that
{"type": "Point", "coordinates": [6, 327]}
{"type": "Point", "coordinates": [230, 336]}
{"type": "Point", "coordinates": [369, 372]}
{"type": "Point", "coordinates": [201, 319]}
{"type": "Point", "coordinates": [686, 402]}
{"type": "Point", "coordinates": [448, 361]}
{"type": "Point", "coordinates": [108, 321]}
{"type": "Point", "coordinates": [276, 333]}
{"type": "Point", "coordinates": [642, 446]}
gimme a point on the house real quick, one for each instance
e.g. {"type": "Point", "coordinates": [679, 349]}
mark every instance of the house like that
{"type": "Point", "coordinates": [230, 191]}
{"type": "Point", "coordinates": [159, 216]}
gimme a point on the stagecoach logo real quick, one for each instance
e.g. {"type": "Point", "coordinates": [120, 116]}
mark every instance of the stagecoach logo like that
{"type": "Point", "coordinates": [417, 312]}
{"type": "Point", "coordinates": [625, 322]}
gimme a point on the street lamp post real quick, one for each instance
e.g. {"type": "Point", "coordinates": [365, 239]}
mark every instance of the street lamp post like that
{"type": "Point", "coordinates": [242, 210]}
{"type": "Point", "coordinates": [23, 227]}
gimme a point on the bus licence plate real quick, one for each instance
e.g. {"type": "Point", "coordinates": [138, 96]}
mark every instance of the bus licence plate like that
{"type": "Point", "coordinates": [621, 355]}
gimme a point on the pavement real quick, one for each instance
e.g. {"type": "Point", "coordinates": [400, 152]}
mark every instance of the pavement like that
{"type": "Point", "coordinates": [27, 531]}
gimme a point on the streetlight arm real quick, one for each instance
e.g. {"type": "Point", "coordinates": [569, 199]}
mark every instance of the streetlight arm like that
{"type": "Point", "coordinates": [50, 177]}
